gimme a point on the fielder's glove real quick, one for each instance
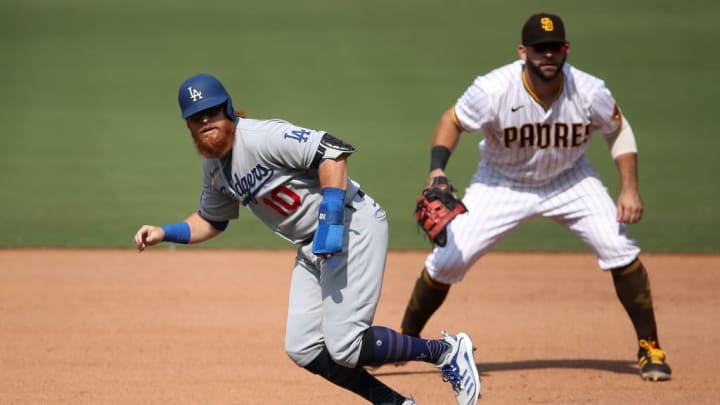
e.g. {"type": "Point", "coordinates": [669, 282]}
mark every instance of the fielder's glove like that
{"type": "Point", "coordinates": [436, 207]}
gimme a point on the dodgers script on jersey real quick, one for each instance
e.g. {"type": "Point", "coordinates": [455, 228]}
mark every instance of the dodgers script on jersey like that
{"type": "Point", "coordinates": [269, 171]}
{"type": "Point", "coordinates": [523, 142]}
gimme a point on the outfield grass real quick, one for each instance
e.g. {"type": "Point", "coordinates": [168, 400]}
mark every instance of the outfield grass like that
{"type": "Point", "coordinates": [93, 146]}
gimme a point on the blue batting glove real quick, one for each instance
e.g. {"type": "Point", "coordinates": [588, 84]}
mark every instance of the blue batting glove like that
{"type": "Point", "coordinates": [331, 227]}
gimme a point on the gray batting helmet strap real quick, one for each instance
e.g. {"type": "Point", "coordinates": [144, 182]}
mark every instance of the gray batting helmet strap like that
{"type": "Point", "coordinates": [201, 92]}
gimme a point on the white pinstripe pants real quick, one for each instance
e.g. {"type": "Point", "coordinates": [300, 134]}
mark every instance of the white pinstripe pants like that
{"type": "Point", "coordinates": [578, 200]}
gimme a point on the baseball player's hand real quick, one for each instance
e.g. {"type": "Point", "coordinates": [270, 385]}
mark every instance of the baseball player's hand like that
{"type": "Point", "coordinates": [148, 235]}
{"type": "Point", "coordinates": [436, 207]}
{"type": "Point", "coordinates": [629, 206]}
{"type": "Point", "coordinates": [434, 174]}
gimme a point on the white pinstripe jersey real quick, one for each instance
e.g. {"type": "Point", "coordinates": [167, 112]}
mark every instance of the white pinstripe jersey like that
{"type": "Point", "coordinates": [523, 142]}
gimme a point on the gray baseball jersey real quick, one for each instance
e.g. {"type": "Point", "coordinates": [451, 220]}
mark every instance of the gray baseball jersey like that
{"type": "Point", "coordinates": [270, 173]}
{"type": "Point", "coordinates": [332, 302]}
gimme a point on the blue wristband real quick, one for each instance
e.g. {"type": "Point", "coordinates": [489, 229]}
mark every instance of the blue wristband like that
{"type": "Point", "coordinates": [331, 222]}
{"type": "Point", "coordinates": [178, 233]}
{"type": "Point", "coordinates": [332, 206]}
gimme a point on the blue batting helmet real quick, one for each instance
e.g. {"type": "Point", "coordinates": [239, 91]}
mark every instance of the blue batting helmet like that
{"type": "Point", "coordinates": [201, 92]}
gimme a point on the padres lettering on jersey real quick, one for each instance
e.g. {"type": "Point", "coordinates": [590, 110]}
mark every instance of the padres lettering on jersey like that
{"type": "Point", "coordinates": [523, 141]}
{"type": "Point", "coordinates": [539, 135]}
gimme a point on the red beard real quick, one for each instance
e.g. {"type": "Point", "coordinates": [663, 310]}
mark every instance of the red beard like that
{"type": "Point", "coordinates": [214, 146]}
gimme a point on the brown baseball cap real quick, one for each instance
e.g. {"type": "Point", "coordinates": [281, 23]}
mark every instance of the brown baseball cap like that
{"type": "Point", "coordinates": [543, 27]}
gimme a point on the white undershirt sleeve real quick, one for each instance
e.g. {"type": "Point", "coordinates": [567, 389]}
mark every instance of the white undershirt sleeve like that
{"type": "Point", "coordinates": [621, 141]}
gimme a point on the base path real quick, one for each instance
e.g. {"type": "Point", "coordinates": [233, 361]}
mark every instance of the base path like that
{"type": "Point", "coordinates": [194, 326]}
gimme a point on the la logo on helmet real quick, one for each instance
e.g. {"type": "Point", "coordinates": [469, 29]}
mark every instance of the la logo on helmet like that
{"type": "Point", "coordinates": [195, 94]}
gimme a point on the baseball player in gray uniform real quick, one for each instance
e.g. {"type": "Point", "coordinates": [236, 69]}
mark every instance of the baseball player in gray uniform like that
{"type": "Point", "coordinates": [295, 180]}
{"type": "Point", "coordinates": [537, 115]}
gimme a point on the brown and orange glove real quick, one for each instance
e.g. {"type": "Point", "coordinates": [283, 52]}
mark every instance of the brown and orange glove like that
{"type": "Point", "coordinates": [436, 208]}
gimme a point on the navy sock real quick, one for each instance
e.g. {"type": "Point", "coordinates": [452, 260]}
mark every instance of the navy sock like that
{"type": "Point", "coordinates": [383, 345]}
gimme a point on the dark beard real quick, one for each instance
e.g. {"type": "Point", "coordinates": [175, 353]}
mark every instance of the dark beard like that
{"type": "Point", "coordinates": [214, 148]}
{"type": "Point", "coordinates": [537, 72]}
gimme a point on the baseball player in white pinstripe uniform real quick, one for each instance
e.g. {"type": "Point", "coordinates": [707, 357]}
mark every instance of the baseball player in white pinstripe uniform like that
{"type": "Point", "coordinates": [537, 115]}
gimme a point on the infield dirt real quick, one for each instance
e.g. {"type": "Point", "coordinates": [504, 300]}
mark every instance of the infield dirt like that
{"type": "Point", "coordinates": [207, 327]}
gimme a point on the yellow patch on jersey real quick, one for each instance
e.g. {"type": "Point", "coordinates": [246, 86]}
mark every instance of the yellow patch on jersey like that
{"type": "Point", "coordinates": [546, 24]}
{"type": "Point", "coordinates": [616, 115]}
{"type": "Point", "coordinates": [456, 121]}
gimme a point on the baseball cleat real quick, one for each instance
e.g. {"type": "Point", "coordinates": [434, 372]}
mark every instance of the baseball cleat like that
{"type": "Point", "coordinates": [651, 360]}
{"type": "Point", "coordinates": [459, 369]}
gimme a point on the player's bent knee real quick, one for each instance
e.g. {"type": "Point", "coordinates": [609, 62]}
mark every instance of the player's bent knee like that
{"type": "Point", "coordinates": [448, 269]}
{"type": "Point", "coordinates": [447, 274]}
{"type": "Point", "coordinates": [320, 364]}
{"type": "Point", "coordinates": [635, 266]}
{"type": "Point", "coordinates": [343, 355]}
{"type": "Point", "coordinates": [295, 357]}
{"type": "Point", "coordinates": [344, 341]}
{"type": "Point", "coordinates": [303, 355]}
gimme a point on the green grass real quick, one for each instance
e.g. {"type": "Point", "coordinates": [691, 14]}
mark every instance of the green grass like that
{"type": "Point", "coordinates": [92, 144]}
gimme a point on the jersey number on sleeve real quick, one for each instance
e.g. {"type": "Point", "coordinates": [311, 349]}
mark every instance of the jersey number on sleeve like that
{"type": "Point", "coordinates": [283, 200]}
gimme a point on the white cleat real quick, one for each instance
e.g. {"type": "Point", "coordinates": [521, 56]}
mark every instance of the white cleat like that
{"type": "Point", "coordinates": [459, 369]}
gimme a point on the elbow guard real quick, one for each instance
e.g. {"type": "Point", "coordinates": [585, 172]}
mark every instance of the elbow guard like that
{"type": "Point", "coordinates": [331, 148]}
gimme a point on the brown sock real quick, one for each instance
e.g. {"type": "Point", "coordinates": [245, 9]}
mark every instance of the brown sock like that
{"type": "Point", "coordinates": [633, 289]}
{"type": "Point", "coordinates": [426, 298]}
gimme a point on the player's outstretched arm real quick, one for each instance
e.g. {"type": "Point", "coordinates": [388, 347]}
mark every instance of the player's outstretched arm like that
{"type": "Point", "coordinates": [194, 229]}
